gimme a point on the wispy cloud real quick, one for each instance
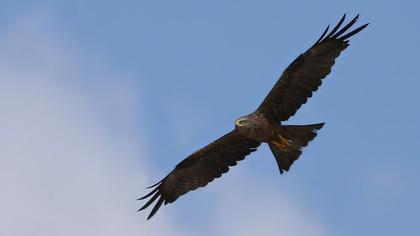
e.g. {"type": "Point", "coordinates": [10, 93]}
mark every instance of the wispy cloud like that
{"type": "Point", "coordinates": [257, 208]}
{"type": "Point", "coordinates": [62, 169]}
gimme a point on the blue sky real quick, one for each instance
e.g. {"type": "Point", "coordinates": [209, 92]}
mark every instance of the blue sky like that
{"type": "Point", "coordinates": [100, 99]}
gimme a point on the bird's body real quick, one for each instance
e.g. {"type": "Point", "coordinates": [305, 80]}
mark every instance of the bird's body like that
{"type": "Point", "coordinates": [297, 83]}
{"type": "Point", "coordinates": [256, 126]}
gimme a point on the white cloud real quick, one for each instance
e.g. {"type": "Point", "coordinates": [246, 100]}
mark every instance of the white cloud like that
{"type": "Point", "coordinates": [64, 171]}
{"type": "Point", "coordinates": [256, 208]}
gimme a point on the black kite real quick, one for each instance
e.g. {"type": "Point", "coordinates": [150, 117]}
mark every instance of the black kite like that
{"type": "Point", "coordinates": [297, 83]}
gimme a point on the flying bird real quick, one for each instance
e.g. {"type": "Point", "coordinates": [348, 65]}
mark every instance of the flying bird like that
{"type": "Point", "coordinates": [297, 83]}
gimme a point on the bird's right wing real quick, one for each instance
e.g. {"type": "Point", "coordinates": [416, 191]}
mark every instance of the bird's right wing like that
{"type": "Point", "coordinates": [304, 75]}
{"type": "Point", "coordinates": [200, 168]}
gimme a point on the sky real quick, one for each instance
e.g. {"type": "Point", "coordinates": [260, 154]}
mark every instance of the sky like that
{"type": "Point", "coordinates": [99, 99]}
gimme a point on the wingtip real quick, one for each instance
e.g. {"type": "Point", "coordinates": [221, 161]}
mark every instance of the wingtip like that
{"type": "Point", "coordinates": [328, 27]}
{"type": "Point", "coordinates": [154, 185]}
{"type": "Point", "coordinates": [151, 200]}
{"type": "Point", "coordinates": [323, 34]}
{"type": "Point", "coordinates": [355, 19]}
{"type": "Point", "coordinates": [150, 216]}
{"type": "Point", "coordinates": [345, 28]}
{"type": "Point", "coordinates": [156, 208]}
{"type": "Point", "coordinates": [142, 198]}
{"type": "Point", "coordinates": [348, 35]}
{"type": "Point", "coordinates": [149, 194]}
{"type": "Point", "coordinates": [141, 209]}
{"type": "Point", "coordinates": [336, 27]}
{"type": "Point", "coordinates": [365, 25]}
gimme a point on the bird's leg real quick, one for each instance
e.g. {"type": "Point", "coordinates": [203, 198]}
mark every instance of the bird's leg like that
{"type": "Point", "coordinates": [282, 142]}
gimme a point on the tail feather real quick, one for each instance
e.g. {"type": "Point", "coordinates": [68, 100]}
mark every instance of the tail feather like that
{"type": "Point", "coordinates": [296, 137]}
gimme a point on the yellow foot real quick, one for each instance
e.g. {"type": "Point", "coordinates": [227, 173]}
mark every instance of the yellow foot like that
{"type": "Point", "coordinates": [282, 142]}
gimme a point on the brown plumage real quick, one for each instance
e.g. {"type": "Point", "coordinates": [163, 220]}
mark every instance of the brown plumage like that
{"type": "Point", "coordinates": [297, 83]}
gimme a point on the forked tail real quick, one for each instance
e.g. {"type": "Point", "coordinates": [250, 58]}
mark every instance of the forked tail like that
{"type": "Point", "coordinates": [288, 147]}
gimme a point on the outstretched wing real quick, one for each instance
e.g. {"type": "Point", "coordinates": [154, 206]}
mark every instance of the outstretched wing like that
{"type": "Point", "coordinates": [303, 76]}
{"type": "Point", "coordinates": [200, 168]}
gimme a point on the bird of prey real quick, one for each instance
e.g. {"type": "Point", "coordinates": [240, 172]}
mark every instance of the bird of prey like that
{"type": "Point", "coordinates": [297, 83]}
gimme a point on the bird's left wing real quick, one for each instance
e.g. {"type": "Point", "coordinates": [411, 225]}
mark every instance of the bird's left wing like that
{"type": "Point", "coordinates": [304, 75]}
{"type": "Point", "coordinates": [200, 168]}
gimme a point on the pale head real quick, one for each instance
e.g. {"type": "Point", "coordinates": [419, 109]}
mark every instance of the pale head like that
{"type": "Point", "coordinates": [242, 121]}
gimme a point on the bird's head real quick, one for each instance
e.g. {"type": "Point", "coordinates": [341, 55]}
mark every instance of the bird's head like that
{"type": "Point", "coordinates": [242, 121]}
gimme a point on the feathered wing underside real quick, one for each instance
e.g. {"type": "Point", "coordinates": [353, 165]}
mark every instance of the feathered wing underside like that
{"type": "Point", "coordinates": [200, 168]}
{"type": "Point", "coordinates": [304, 75]}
